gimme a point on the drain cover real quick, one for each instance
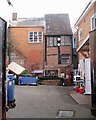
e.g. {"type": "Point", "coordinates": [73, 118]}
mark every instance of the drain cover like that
{"type": "Point", "coordinates": [65, 114]}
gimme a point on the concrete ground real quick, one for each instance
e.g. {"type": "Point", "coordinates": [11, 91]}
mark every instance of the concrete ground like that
{"type": "Point", "coordinates": [48, 102]}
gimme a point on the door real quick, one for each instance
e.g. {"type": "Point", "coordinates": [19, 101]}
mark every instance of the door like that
{"type": "Point", "coordinates": [87, 76]}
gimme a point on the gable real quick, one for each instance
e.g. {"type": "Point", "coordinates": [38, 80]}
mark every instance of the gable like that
{"type": "Point", "coordinates": [57, 24]}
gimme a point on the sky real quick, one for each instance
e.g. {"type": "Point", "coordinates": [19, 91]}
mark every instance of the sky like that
{"type": "Point", "coordinates": [37, 8]}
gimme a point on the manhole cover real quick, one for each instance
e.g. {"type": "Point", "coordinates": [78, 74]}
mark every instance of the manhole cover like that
{"type": "Point", "coordinates": [65, 114]}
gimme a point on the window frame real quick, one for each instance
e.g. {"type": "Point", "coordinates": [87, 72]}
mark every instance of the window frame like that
{"type": "Point", "coordinates": [35, 39]}
{"type": "Point", "coordinates": [49, 41]}
{"type": "Point", "coordinates": [80, 34]}
{"type": "Point", "coordinates": [65, 41]}
{"type": "Point", "coordinates": [93, 22]}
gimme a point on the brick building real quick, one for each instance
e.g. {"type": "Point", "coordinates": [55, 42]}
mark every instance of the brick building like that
{"type": "Point", "coordinates": [85, 24]}
{"type": "Point", "coordinates": [26, 42]}
{"type": "Point", "coordinates": [34, 43]}
{"type": "Point", "coordinates": [58, 44]}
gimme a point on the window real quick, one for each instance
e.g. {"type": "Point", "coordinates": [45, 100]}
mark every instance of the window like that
{"type": "Point", "coordinates": [35, 37]}
{"type": "Point", "coordinates": [80, 34]}
{"type": "Point", "coordinates": [40, 36]}
{"type": "Point", "coordinates": [51, 41]}
{"type": "Point", "coordinates": [93, 22]}
{"type": "Point", "coordinates": [65, 59]}
{"type": "Point", "coordinates": [31, 37]}
{"type": "Point", "coordinates": [55, 41]}
{"type": "Point", "coordinates": [65, 40]}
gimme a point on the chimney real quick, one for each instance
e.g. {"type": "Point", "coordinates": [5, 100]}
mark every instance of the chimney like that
{"type": "Point", "coordinates": [14, 17]}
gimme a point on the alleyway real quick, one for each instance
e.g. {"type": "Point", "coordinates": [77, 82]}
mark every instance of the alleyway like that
{"type": "Point", "coordinates": [47, 102]}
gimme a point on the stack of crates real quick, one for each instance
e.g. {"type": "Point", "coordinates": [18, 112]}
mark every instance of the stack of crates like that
{"type": "Point", "coordinates": [10, 88]}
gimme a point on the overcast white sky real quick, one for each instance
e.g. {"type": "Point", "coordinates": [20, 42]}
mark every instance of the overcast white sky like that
{"type": "Point", "coordinates": [37, 8]}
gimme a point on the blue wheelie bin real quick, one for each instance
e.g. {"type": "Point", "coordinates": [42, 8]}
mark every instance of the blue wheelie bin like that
{"type": "Point", "coordinates": [10, 86]}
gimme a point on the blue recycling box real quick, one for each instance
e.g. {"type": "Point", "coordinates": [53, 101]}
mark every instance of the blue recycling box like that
{"type": "Point", "coordinates": [28, 81]}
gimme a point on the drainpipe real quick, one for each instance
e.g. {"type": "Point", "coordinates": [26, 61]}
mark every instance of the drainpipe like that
{"type": "Point", "coordinates": [71, 49]}
{"type": "Point", "coordinates": [44, 54]}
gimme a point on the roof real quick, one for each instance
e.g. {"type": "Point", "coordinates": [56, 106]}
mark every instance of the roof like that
{"type": "Point", "coordinates": [57, 24]}
{"type": "Point", "coordinates": [29, 22]}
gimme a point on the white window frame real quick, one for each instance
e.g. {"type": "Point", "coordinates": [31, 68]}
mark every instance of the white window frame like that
{"type": "Point", "coordinates": [39, 39]}
{"type": "Point", "coordinates": [50, 41]}
{"type": "Point", "coordinates": [80, 34]}
{"type": "Point", "coordinates": [65, 41]}
{"type": "Point", "coordinates": [93, 26]}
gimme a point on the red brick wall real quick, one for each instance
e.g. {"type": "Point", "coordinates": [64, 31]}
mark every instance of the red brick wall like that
{"type": "Point", "coordinates": [85, 24]}
{"type": "Point", "coordinates": [33, 52]}
{"type": "Point", "coordinates": [51, 82]}
{"type": "Point", "coordinates": [52, 54]}
{"type": "Point", "coordinates": [52, 60]}
{"type": "Point", "coordinates": [52, 50]}
{"type": "Point", "coordinates": [65, 49]}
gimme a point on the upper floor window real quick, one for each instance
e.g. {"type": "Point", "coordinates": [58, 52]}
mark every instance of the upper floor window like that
{"type": "Point", "coordinates": [35, 37]}
{"type": "Point", "coordinates": [55, 41]}
{"type": "Point", "coordinates": [65, 40]}
{"type": "Point", "coordinates": [80, 34]}
{"type": "Point", "coordinates": [51, 41]}
{"type": "Point", "coordinates": [93, 22]}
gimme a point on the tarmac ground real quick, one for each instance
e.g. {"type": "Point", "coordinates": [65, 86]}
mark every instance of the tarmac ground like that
{"type": "Point", "coordinates": [45, 101]}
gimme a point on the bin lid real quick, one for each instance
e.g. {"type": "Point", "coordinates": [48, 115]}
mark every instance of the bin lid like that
{"type": "Point", "coordinates": [16, 68]}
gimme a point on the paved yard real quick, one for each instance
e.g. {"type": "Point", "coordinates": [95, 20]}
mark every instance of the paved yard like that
{"type": "Point", "coordinates": [46, 102]}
